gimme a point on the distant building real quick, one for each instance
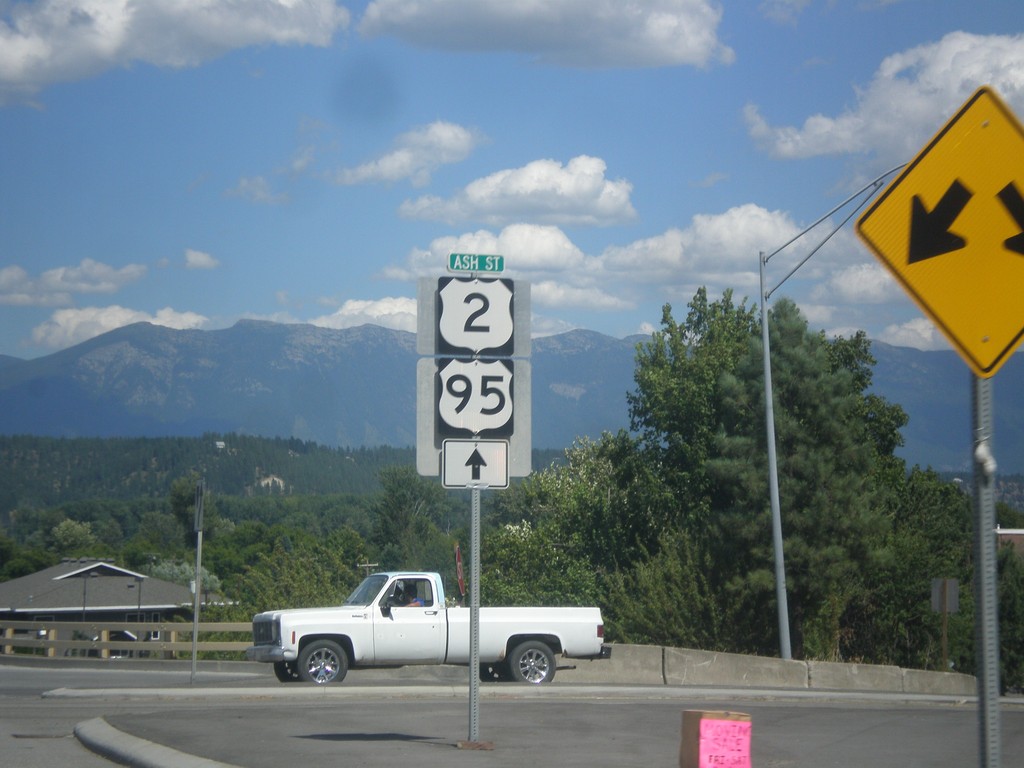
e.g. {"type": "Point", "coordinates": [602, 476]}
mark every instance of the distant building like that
{"type": "Point", "coordinates": [1012, 536]}
{"type": "Point", "coordinates": [92, 590]}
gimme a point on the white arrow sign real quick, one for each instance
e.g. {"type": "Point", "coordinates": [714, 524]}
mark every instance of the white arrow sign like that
{"type": "Point", "coordinates": [475, 315]}
{"type": "Point", "coordinates": [469, 463]}
{"type": "Point", "coordinates": [475, 397]}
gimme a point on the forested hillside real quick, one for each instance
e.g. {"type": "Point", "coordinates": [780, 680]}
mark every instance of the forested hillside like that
{"type": "Point", "coordinates": [43, 471]}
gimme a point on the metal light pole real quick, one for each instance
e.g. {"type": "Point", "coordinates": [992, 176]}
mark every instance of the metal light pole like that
{"type": "Point", "coordinates": [782, 601]}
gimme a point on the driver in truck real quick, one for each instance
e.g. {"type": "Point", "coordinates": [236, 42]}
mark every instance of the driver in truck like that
{"type": "Point", "coordinates": [405, 595]}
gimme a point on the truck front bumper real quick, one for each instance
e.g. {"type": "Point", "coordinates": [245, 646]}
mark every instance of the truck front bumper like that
{"type": "Point", "coordinates": [269, 653]}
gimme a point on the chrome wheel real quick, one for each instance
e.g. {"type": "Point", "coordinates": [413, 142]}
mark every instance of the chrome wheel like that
{"type": "Point", "coordinates": [322, 662]}
{"type": "Point", "coordinates": [532, 662]}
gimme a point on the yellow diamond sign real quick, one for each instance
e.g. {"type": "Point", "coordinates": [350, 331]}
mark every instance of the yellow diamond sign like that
{"type": "Point", "coordinates": [950, 228]}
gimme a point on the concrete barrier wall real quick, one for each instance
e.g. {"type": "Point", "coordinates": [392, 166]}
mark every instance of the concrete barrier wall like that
{"type": "Point", "coordinates": [654, 665]}
{"type": "Point", "coordinates": [948, 683]}
{"type": "Point", "coordinates": [686, 667]}
{"type": "Point", "coordinates": [853, 677]}
{"type": "Point", "coordinates": [629, 664]}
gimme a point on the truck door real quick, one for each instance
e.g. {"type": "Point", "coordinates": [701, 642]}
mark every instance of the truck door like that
{"type": "Point", "coordinates": [409, 625]}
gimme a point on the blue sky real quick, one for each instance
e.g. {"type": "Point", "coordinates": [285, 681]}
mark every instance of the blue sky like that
{"type": "Point", "coordinates": [194, 162]}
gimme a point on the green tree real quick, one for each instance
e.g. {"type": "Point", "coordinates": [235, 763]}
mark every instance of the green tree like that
{"type": "Point", "coordinates": [1008, 517]}
{"type": "Point", "coordinates": [665, 599]}
{"type": "Point", "coordinates": [161, 534]}
{"type": "Point", "coordinates": [1011, 618]}
{"type": "Point", "coordinates": [307, 573]}
{"type": "Point", "coordinates": [674, 407]}
{"type": "Point", "coordinates": [71, 538]}
{"type": "Point", "coordinates": [17, 561]}
{"type": "Point", "coordinates": [526, 565]}
{"type": "Point", "coordinates": [929, 537]}
{"type": "Point", "coordinates": [607, 496]}
{"type": "Point", "coordinates": [183, 496]}
{"type": "Point", "coordinates": [407, 514]}
{"type": "Point", "coordinates": [179, 572]}
{"type": "Point", "coordinates": [826, 459]}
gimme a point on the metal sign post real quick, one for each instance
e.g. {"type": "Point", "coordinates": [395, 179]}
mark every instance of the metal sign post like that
{"type": "Point", "coordinates": [986, 625]}
{"type": "Point", "coordinates": [197, 583]}
{"type": "Point", "coordinates": [474, 619]}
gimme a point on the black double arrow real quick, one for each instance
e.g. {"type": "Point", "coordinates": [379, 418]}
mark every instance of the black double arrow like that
{"type": "Point", "coordinates": [930, 234]}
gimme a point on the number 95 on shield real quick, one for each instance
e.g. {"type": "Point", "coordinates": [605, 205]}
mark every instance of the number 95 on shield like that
{"type": "Point", "coordinates": [474, 397]}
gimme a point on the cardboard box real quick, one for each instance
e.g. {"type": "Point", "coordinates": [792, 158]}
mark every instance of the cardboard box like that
{"type": "Point", "coordinates": [715, 740]}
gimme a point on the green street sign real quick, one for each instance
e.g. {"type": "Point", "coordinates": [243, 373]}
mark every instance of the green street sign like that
{"type": "Point", "coordinates": [475, 262]}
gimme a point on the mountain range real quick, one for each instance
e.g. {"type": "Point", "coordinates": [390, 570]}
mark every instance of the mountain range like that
{"type": "Point", "coordinates": [357, 387]}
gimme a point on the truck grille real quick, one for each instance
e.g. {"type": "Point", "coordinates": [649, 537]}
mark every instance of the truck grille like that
{"type": "Point", "coordinates": [265, 632]}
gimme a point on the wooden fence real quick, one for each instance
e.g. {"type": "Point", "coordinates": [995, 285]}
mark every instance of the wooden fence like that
{"type": "Point", "coordinates": [107, 640]}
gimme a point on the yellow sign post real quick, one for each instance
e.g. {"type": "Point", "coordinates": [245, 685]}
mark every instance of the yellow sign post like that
{"type": "Point", "coordinates": [950, 228]}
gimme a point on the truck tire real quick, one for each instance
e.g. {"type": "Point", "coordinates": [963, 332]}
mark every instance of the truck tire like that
{"type": "Point", "coordinates": [323, 662]}
{"type": "Point", "coordinates": [532, 662]}
{"type": "Point", "coordinates": [286, 671]}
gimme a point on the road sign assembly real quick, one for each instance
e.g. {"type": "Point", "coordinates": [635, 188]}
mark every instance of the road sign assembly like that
{"type": "Point", "coordinates": [472, 386]}
{"type": "Point", "coordinates": [950, 228]}
{"type": "Point", "coordinates": [475, 384]}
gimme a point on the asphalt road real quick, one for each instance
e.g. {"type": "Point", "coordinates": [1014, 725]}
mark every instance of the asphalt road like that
{"type": "Point", "coordinates": [419, 717]}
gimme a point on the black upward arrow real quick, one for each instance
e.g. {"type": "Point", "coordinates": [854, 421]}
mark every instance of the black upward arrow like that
{"type": "Point", "coordinates": [476, 461]}
{"type": "Point", "coordinates": [1014, 204]}
{"type": "Point", "coordinates": [929, 230]}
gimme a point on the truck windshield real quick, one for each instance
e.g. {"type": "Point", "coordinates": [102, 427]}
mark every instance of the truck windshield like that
{"type": "Point", "coordinates": [365, 592]}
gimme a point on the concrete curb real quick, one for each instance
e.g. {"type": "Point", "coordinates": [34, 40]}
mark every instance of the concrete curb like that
{"type": "Point", "coordinates": [108, 742]}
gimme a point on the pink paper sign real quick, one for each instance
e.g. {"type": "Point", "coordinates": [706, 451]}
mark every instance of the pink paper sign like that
{"type": "Point", "coordinates": [724, 743]}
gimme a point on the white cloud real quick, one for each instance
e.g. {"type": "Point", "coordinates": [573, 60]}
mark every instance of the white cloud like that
{"type": "Point", "coordinates": [417, 154]}
{"type": "Point", "coordinates": [55, 287]}
{"type": "Point", "coordinates": [256, 189]}
{"type": "Point", "coordinates": [719, 251]}
{"type": "Point", "coordinates": [920, 333]}
{"type": "Point", "coordinates": [784, 11]}
{"type": "Point", "coordinates": [67, 327]}
{"type": "Point", "coordinates": [398, 313]}
{"type": "Point", "coordinates": [199, 260]}
{"type": "Point", "coordinates": [912, 94]}
{"type": "Point", "coordinates": [544, 191]}
{"type": "Point", "coordinates": [575, 33]}
{"type": "Point", "coordinates": [53, 41]}
{"type": "Point", "coordinates": [867, 283]}
{"type": "Point", "coordinates": [734, 238]}
{"type": "Point", "coordinates": [552, 293]}
{"type": "Point", "coordinates": [652, 257]}
{"type": "Point", "coordinates": [527, 248]}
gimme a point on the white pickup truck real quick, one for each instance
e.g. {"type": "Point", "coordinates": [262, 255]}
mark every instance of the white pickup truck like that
{"type": "Point", "coordinates": [394, 619]}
